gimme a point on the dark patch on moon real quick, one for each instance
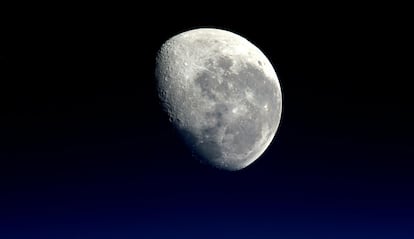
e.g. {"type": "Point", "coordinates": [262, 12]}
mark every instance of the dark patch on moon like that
{"type": "Point", "coordinates": [242, 137]}
{"type": "Point", "coordinates": [225, 62]}
{"type": "Point", "coordinates": [255, 80]}
{"type": "Point", "coordinates": [207, 84]}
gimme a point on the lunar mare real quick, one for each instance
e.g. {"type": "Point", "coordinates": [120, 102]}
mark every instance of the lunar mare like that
{"type": "Point", "coordinates": [221, 93]}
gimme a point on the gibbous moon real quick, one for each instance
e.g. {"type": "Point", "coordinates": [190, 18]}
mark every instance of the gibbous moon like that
{"type": "Point", "coordinates": [222, 95]}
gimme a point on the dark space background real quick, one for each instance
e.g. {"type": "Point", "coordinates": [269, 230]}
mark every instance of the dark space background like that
{"type": "Point", "coordinates": [86, 152]}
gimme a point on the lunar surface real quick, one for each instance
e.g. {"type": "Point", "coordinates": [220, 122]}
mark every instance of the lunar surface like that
{"type": "Point", "coordinates": [221, 93]}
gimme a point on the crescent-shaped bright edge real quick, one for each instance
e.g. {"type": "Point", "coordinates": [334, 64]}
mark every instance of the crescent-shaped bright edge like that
{"type": "Point", "coordinates": [221, 93]}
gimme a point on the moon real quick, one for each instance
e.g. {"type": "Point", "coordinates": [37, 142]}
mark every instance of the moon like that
{"type": "Point", "coordinates": [221, 93]}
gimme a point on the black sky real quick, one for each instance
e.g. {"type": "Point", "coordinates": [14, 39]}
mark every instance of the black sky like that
{"type": "Point", "coordinates": [86, 152]}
